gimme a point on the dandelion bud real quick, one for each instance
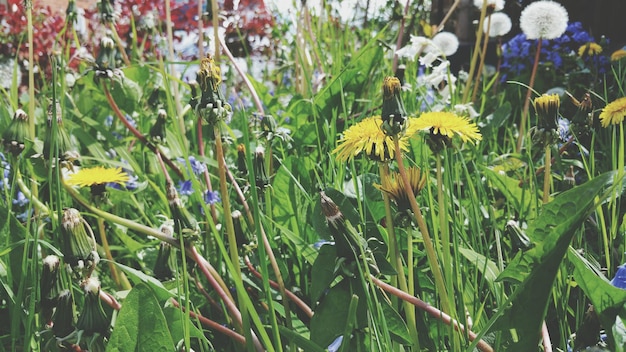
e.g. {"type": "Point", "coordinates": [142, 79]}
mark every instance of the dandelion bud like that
{"type": "Point", "coordinates": [519, 240]}
{"type": "Point", "coordinates": [331, 211]}
{"type": "Point", "coordinates": [547, 109]}
{"type": "Point", "coordinates": [157, 131]}
{"type": "Point", "coordinates": [261, 179]}
{"type": "Point", "coordinates": [106, 8]}
{"type": "Point", "coordinates": [105, 61]}
{"type": "Point", "coordinates": [14, 137]}
{"type": "Point", "coordinates": [184, 224]}
{"type": "Point", "coordinates": [393, 112]}
{"type": "Point", "coordinates": [212, 105]}
{"type": "Point", "coordinates": [49, 285]}
{"type": "Point", "coordinates": [93, 319]}
{"type": "Point", "coordinates": [80, 245]}
{"type": "Point", "coordinates": [240, 235]}
{"type": "Point", "coordinates": [70, 12]}
{"type": "Point", "coordinates": [63, 319]}
{"type": "Point", "coordinates": [61, 139]}
{"type": "Point", "coordinates": [163, 266]}
{"type": "Point", "coordinates": [242, 166]}
{"type": "Point", "coordinates": [570, 176]}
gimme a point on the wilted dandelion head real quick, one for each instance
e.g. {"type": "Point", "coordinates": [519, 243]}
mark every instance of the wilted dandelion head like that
{"type": "Point", "coordinates": [492, 5]}
{"type": "Point", "coordinates": [544, 19]}
{"type": "Point", "coordinates": [394, 187]}
{"type": "Point", "coordinates": [447, 42]}
{"type": "Point", "coordinates": [613, 113]}
{"type": "Point", "coordinates": [499, 25]}
{"type": "Point", "coordinates": [589, 49]}
{"type": "Point", "coordinates": [618, 54]}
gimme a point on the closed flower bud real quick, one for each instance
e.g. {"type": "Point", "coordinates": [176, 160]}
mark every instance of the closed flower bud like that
{"type": "Point", "coordinates": [184, 224]}
{"type": "Point", "coordinates": [50, 285]}
{"type": "Point", "coordinates": [105, 61]}
{"type": "Point", "coordinates": [393, 112]}
{"type": "Point", "coordinates": [80, 244]}
{"type": "Point", "coordinates": [70, 12]}
{"type": "Point", "coordinates": [163, 265]}
{"type": "Point", "coordinates": [106, 9]}
{"type": "Point", "coordinates": [157, 131]}
{"type": "Point", "coordinates": [261, 179]}
{"type": "Point", "coordinates": [242, 165]}
{"type": "Point", "coordinates": [63, 319]}
{"type": "Point", "coordinates": [519, 240]}
{"type": "Point", "coordinates": [93, 319]}
{"type": "Point", "coordinates": [240, 235]}
{"type": "Point", "coordinates": [14, 137]}
{"type": "Point", "coordinates": [57, 137]}
{"type": "Point", "coordinates": [212, 105]}
{"type": "Point", "coordinates": [547, 109]}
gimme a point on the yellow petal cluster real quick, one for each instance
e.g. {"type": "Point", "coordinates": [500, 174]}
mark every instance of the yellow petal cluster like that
{"type": "Point", "coordinates": [97, 176]}
{"type": "Point", "coordinates": [448, 124]}
{"type": "Point", "coordinates": [613, 113]}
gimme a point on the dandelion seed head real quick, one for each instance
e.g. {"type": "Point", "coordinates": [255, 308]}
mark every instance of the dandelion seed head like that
{"type": "Point", "coordinates": [544, 19]}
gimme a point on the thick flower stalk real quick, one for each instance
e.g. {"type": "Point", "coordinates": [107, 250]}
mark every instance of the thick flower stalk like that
{"type": "Point", "coordinates": [540, 20]}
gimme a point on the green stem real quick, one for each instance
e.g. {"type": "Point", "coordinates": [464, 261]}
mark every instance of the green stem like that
{"type": "Point", "coordinates": [547, 179]}
{"type": "Point", "coordinates": [396, 259]}
{"type": "Point", "coordinates": [419, 219]}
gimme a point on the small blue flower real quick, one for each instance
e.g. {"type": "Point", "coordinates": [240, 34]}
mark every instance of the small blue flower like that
{"type": "Point", "coordinates": [108, 121]}
{"type": "Point", "coordinates": [211, 197]}
{"type": "Point", "coordinates": [185, 188]}
{"type": "Point", "coordinates": [317, 245]}
{"type": "Point", "coordinates": [197, 167]}
{"type": "Point", "coordinates": [20, 199]}
{"type": "Point", "coordinates": [334, 346]}
{"type": "Point", "coordinates": [620, 278]}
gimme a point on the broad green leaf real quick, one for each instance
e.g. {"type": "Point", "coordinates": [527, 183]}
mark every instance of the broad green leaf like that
{"type": "Point", "coordinates": [331, 315]}
{"type": "Point", "coordinates": [397, 327]}
{"type": "Point", "coordinates": [498, 118]}
{"type": "Point", "coordinates": [175, 319]}
{"type": "Point", "coordinates": [551, 232]}
{"type": "Point", "coordinates": [139, 277]}
{"type": "Point", "coordinates": [323, 271]}
{"type": "Point", "coordinates": [140, 324]}
{"type": "Point", "coordinates": [609, 302]}
{"type": "Point", "coordinates": [487, 267]}
{"type": "Point", "coordinates": [299, 340]}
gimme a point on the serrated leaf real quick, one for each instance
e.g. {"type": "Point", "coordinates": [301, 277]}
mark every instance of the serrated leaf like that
{"type": "Point", "coordinates": [552, 232]}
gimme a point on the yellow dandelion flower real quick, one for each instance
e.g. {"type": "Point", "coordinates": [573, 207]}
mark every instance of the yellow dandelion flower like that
{"type": "Point", "coordinates": [368, 137]}
{"type": "Point", "coordinates": [97, 176]}
{"type": "Point", "coordinates": [589, 49]}
{"type": "Point", "coordinates": [394, 187]}
{"type": "Point", "coordinates": [448, 124]}
{"type": "Point", "coordinates": [618, 54]}
{"type": "Point", "coordinates": [613, 113]}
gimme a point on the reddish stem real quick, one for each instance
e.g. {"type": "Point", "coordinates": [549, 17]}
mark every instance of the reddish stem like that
{"type": "Point", "coordinates": [136, 133]}
{"type": "Point", "coordinates": [295, 299]}
{"type": "Point", "coordinates": [432, 311]}
{"type": "Point", "coordinates": [522, 125]}
{"type": "Point", "coordinates": [214, 325]}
